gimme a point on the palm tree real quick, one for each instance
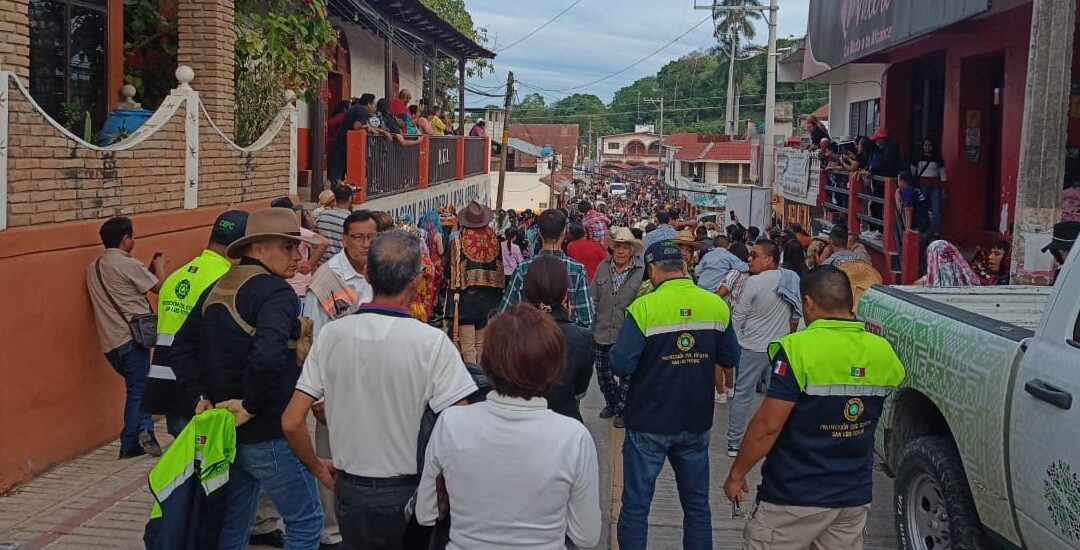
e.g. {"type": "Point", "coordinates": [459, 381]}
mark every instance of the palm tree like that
{"type": "Point", "coordinates": [733, 28]}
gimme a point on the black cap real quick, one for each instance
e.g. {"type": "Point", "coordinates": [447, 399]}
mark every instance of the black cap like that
{"type": "Point", "coordinates": [1065, 234]}
{"type": "Point", "coordinates": [229, 226]}
{"type": "Point", "coordinates": [663, 250]}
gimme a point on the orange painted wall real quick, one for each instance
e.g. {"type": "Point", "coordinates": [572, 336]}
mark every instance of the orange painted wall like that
{"type": "Point", "coordinates": [58, 395]}
{"type": "Point", "coordinates": [303, 149]}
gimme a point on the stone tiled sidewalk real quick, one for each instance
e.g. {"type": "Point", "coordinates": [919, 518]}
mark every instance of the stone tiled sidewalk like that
{"type": "Point", "coordinates": [96, 501]}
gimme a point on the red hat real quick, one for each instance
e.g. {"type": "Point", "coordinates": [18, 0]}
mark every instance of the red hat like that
{"type": "Point", "coordinates": [880, 133]}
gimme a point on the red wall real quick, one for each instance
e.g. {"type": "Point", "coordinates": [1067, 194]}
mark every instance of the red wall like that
{"type": "Point", "coordinates": [964, 46]}
{"type": "Point", "coordinates": [59, 397]}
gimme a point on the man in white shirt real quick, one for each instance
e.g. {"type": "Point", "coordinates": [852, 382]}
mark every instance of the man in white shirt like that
{"type": "Point", "coordinates": [376, 370]}
{"type": "Point", "coordinates": [760, 316]}
{"type": "Point", "coordinates": [338, 289]}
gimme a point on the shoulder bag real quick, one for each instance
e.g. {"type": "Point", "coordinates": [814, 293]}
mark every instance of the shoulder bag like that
{"type": "Point", "coordinates": [143, 326]}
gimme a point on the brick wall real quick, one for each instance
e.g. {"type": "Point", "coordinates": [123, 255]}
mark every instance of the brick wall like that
{"type": "Point", "coordinates": [15, 30]}
{"type": "Point", "coordinates": [206, 36]}
{"type": "Point", "coordinates": [52, 179]}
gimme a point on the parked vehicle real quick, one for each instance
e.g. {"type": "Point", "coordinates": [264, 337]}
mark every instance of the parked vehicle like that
{"type": "Point", "coordinates": [983, 438]}
{"type": "Point", "coordinates": [616, 189]}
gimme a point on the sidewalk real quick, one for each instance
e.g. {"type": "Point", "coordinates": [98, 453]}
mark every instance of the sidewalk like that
{"type": "Point", "coordinates": [97, 501]}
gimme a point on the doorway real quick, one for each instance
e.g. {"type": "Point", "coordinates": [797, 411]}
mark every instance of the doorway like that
{"type": "Point", "coordinates": [927, 100]}
{"type": "Point", "coordinates": [995, 67]}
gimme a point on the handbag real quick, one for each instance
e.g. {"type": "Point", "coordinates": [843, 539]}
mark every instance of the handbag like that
{"type": "Point", "coordinates": [143, 326]}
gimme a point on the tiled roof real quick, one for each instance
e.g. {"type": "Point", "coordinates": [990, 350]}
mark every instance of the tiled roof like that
{"type": "Point", "coordinates": [682, 140]}
{"type": "Point", "coordinates": [563, 138]}
{"type": "Point", "coordinates": [822, 113]}
{"type": "Point", "coordinates": [700, 152]}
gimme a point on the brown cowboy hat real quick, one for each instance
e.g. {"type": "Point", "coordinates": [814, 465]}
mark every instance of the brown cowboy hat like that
{"type": "Point", "coordinates": [475, 215]}
{"type": "Point", "coordinates": [624, 235]}
{"type": "Point", "coordinates": [687, 238]}
{"type": "Point", "coordinates": [265, 224]}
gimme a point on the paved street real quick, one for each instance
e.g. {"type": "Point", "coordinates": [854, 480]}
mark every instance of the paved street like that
{"type": "Point", "coordinates": [96, 501]}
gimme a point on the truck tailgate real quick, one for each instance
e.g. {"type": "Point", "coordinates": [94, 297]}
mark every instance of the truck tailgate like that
{"type": "Point", "coordinates": [1015, 305]}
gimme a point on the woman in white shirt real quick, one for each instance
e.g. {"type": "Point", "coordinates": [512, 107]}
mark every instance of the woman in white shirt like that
{"type": "Point", "coordinates": [929, 170]}
{"type": "Point", "coordinates": [517, 474]}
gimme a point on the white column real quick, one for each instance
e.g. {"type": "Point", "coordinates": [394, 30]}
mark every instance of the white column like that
{"type": "Point", "coordinates": [4, 95]}
{"type": "Point", "coordinates": [184, 75]}
{"type": "Point", "coordinates": [290, 96]}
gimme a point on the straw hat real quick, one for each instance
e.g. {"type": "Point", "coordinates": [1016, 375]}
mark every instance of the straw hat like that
{"type": "Point", "coordinates": [624, 235]}
{"type": "Point", "coordinates": [862, 276]}
{"type": "Point", "coordinates": [686, 238]}
{"type": "Point", "coordinates": [265, 224]}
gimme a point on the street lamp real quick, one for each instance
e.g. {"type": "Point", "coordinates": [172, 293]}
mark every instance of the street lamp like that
{"type": "Point", "coordinates": [770, 82]}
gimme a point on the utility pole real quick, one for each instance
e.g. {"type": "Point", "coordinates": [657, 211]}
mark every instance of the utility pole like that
{"type": "Point", "coordinates": [507, 104]}
{"type": "Point", "coordinates": [659, 149]}
{"type": "Point", "coordinates": [770, 102]}
{"type": "Point", "coordinates": [729, 122]}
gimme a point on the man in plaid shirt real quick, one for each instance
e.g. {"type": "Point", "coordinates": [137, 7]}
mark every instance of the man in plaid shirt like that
{"type": "Point", "coordinates": [552, 227]}
{"type": "Point", "coordinates": [595, 222]}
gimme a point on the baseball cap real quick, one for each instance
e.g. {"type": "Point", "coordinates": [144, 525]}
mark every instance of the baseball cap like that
{"type": "Point", "coordinates": [229, 226]}
{"type": "Point", "coordinates": [880, 133]}
{"type": "Point", "coordinates": [663, 250]}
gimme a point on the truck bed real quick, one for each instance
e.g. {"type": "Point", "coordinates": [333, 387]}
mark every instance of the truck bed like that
{"type": "Point", "coordinates": [1017, 305]}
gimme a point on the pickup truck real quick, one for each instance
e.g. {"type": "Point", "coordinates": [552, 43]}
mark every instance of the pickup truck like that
{"type": "Point", "coordinates": [983, 439]}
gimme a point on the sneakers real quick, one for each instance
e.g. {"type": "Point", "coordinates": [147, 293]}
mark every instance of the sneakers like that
{"type": "Point", "coordinates": [730, 392]}
{"type": "Point", "coordinates": [732, 451]}
{"type": "Point", "coordinates": [720, 397]}
{"type": "Point", "coordinates": [149, 444]}
{"type": "Point", "coordinates": [132, 454]}
{"type": "Point", "coordinates": [607, 412]}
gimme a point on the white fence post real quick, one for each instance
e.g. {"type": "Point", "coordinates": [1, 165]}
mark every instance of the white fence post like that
{"type": "Point", "coordinates": [184, 75]}
{"type": "Point", "coordinates": [4, 95]}
{"type": "Point", "coordinates": [290, 97]}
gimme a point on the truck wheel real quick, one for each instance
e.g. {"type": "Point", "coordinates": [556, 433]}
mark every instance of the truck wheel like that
{"type": "Point", "coordinates": [933, 504]}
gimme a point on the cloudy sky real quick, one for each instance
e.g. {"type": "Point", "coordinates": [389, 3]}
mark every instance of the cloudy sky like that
{"type": "Point", "coordinates": [598, 37]}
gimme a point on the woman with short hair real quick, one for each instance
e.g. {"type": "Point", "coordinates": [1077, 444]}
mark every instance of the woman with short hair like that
{"type": "Point", "coordinates": [517, 474]}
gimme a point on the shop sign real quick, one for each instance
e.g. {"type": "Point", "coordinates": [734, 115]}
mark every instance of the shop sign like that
{"type": "Point", "coordinates": [842, 31]}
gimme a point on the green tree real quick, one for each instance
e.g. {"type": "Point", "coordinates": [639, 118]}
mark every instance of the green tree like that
{"type": "Point", "coordinates": [455, 13]}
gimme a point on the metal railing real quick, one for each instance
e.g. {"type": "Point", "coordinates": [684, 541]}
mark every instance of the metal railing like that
{"type": "Point", "coordinates": [391, 167]}
{"type": "Point", "coordinates": [442, 159]}
{"type": "Point", "coordinates": [475, 155]}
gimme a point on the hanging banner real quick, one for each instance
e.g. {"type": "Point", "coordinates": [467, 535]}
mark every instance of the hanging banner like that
{"type": "Point", "coordinates": [842, 31]}
{"type": "Point", "coordinates": [798, 175]}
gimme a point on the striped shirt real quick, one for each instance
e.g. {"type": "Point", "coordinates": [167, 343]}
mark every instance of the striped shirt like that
{"type": "Point", "coordinates": [331, 224]}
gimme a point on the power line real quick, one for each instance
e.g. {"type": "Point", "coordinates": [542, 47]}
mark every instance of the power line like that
{"type": "Point", "coordinates": [538, 29]}
{"type": "Point", "coordinates": [628, 67]}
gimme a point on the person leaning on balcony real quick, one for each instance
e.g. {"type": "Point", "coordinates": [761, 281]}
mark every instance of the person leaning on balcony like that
{"type": "Point", "coordinates": [390, 124]}
{"type": "Point", "coordinates": [356, 118]}
{"type": "Point", "coordinates": [423, 123]}
{"type": "Point", "coordinates": [438, 125]}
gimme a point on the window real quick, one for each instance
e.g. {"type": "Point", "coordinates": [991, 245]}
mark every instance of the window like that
{"type": "Point", "coordinates": [68, 57]}
{"type": "Point", "coordinates": [613, 146]}
{"type": "Point", "coordinates": [863, 118]}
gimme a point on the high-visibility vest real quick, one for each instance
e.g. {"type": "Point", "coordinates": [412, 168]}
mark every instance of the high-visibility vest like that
{"type": "Point", "coordinates": [838, 357]}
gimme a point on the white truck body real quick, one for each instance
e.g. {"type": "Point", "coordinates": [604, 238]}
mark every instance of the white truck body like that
{"type": "Point", "coordinates": [994, 371]}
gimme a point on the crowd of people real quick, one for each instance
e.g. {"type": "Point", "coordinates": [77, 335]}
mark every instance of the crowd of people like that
{"type": "Point", "coordinates": [397, 119]}
{"type": "Point", "coordinates": [443, 361]}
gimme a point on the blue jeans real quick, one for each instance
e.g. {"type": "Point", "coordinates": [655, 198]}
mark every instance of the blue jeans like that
{"type": "Point", "coordinates": [643, 458]}
{"type": "Point", "coordinates": [132, 362]}
{"type": "Point", "coordinates": [933, 196]}
{"type": "Point", "coordinates": [271, 465]}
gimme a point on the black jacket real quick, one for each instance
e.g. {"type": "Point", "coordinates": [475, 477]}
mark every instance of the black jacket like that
{"type": "Point", "coordinates": [215, 359]}
{"type": "Point", "coordinates": [580, 356]}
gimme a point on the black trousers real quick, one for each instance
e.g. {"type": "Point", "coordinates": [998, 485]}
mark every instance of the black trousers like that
{"type": "Point", "coordinates": [371, 512]}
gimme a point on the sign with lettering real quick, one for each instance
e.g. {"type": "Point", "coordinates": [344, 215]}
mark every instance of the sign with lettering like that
{"type": "Point", "coordinates": [842, 31]}
{"type": "Point", "coordinates": [798, 175]}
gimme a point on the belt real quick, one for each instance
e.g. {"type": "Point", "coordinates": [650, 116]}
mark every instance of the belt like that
{"type": "Point", "coordinates": [379, 481]}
